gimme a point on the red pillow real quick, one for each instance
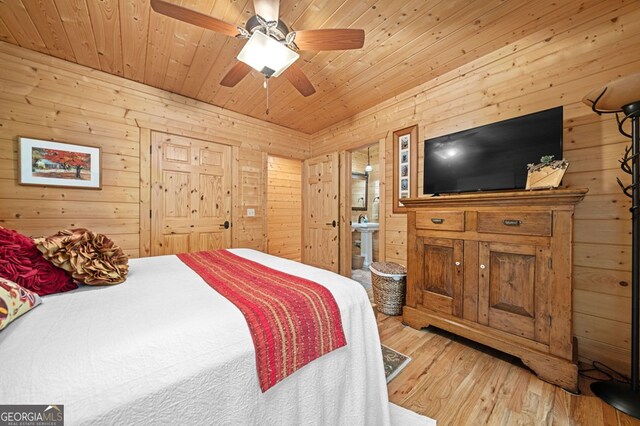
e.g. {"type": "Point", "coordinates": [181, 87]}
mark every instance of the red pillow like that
{"type": "Point", "coordinates": [22, 263]}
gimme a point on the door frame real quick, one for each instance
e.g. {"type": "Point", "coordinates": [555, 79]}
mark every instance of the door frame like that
{"type": "Point", "coordinates": [344, 234]}
{"type": "Point", "coordinates": [345, 237]}
{"type": "Point", "coordinates": [145, 192]}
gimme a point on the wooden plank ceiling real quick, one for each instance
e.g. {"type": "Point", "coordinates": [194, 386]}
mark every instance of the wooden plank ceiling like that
{"type": "Point", "coordinates": [408, 42]}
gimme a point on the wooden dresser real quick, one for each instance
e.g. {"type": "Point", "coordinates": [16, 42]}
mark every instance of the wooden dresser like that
{"type": "Point", "coordinates": [496, 268]}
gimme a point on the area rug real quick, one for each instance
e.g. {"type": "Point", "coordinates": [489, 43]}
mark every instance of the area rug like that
{"type": "Point", "coordinates": [394, 362]}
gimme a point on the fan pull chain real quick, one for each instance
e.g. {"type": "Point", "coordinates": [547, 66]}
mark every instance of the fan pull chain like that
{"type": "Point", "coordinates": [266, 86]}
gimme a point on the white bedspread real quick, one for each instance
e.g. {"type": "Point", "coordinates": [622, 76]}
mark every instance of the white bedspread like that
{"type": "Point", "coordinates": [165, 348]}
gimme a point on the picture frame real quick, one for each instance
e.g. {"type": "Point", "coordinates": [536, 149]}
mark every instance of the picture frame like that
{"type": "Point", "coordinates": [59, 164]}
{"type": "Point", "coordinates": [405, 166]}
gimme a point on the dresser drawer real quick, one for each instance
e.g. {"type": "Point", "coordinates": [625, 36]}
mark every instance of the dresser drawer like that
{"type": "Point", "coordinates": [440, 220]}
{"type": "Point", "coordinates": [515, 222]}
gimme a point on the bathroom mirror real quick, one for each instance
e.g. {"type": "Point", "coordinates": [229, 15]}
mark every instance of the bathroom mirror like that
{"type": "Point", "coordinates": [359, 191]}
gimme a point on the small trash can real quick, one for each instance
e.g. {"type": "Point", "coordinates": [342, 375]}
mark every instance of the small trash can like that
{"type": "Point", "coordinates": [357, 261]}
{"type": "Point", "coordinates": [389, 282]}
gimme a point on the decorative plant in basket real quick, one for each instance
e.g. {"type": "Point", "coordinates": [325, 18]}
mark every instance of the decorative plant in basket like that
{"type": "Point", "coordinates": [547, 174]}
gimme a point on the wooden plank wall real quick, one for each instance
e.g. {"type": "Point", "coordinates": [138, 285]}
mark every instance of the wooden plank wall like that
{"type": "Point", "coordinates": [284, 207]}
{"type": "Point", "coordinates": [249, 192]}
{"type": "Point", "coordinates": [551, 67]}
{"type": "Point", "coordinates": [49, 98]}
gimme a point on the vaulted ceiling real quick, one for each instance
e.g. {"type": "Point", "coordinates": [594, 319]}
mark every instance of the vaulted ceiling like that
{"type": "Point", "coordinates": [408, 42]}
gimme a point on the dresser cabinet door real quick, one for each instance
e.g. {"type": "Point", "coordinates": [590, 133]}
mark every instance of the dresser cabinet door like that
{"type": "Point", "coordinates": [513, 289]}
{"type": "Point", "coordinates": [442, 272]}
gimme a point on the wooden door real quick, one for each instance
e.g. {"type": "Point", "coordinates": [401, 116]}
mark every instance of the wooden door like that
{"type": "Point", "coordinates": [513, 287]}
{"type": "Point", "coordinates": [442, 274]}
{"type": "Point", "coordinates": [191, 195]}
{"type": "Point", "coordinates": [321, 212]}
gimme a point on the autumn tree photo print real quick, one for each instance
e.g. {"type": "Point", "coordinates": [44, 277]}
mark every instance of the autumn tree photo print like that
{"type": "Point", "coordinates": [54, 163]}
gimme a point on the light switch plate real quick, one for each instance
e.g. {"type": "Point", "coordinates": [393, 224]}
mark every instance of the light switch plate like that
{"type": "Point", "coordinates": [251, 212]}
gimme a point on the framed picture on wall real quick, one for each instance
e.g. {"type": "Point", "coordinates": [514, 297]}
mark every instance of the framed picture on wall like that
{"type": "Point", "coordinates": [405, 166]}
{"type": "Point", "coordinates": [49, 163]}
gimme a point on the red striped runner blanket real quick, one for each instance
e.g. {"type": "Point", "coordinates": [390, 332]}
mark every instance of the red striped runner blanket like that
{"type": "Point", "coordinates": [292, 320]}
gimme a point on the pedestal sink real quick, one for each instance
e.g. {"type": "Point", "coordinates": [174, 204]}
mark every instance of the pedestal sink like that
{"type": "Point", "coordinates": [366, 240]}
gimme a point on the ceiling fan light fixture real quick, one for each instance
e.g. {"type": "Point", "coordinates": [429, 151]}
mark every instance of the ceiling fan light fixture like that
{"type": "Point", "coordinates": [266, 55]}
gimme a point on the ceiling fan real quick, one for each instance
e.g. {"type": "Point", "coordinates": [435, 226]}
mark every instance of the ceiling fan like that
{"type": "Point", "coordinates": [271, 47]}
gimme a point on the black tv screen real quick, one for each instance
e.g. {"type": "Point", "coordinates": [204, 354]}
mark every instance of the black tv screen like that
{"type": "Point", "coordinates": [491, 157]}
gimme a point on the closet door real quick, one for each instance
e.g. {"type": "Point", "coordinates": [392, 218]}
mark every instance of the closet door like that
{"type": "Point", "coordinates": [191, 195]}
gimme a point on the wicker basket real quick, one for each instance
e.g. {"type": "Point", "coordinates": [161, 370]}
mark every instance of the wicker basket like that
{"type": "Point", "coordinates": [389, 285]}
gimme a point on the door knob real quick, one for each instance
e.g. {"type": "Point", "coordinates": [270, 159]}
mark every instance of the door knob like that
{"type": "Point", "coordinates": [482, 266]}
{"type": "Point", "coordinates": [225, 225]}
{"type": "Point", "coordinates": [457, 263]}
{"type": "Point", "coordinates": [334, 223]}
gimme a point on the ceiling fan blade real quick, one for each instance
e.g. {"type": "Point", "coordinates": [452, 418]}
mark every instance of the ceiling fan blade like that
{"type": "Point", "coordinates": [192, 17]}
{"type": "Point", "coordinates": [235, 74]}
{"type": "Point", "coordinates": [299, 80]}
{"type": "Point", "coordinates": [267, 9]}
{"type": "Point", "coordinates": [329, 39]}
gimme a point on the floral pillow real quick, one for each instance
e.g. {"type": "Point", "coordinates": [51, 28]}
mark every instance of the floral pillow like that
{"type": "Point", "coordinates": [89, 257]}
{"type": "Point", "coordinates": [22, 263]}
{"type": "Point", "coordinates": [15, 301]}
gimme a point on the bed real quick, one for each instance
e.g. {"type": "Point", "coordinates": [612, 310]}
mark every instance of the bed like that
{"type": "Point", "coordinates": [165, 348]}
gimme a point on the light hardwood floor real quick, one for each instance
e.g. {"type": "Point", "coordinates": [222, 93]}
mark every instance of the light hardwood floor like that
{"type": "Point", "coordinates": [459, 382]}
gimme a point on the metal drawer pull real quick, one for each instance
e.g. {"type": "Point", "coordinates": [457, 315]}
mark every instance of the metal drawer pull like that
{"type": "Point", "coordinates": [512, 222]}
{"type": "Point", "coordinates": [437, 220]}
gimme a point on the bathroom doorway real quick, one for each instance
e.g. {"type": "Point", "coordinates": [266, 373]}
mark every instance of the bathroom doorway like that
{"type": "Point", "coordinates": [365, 197]}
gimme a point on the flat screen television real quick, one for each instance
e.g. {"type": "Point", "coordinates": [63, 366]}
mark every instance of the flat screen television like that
{"type": "Point", "coordinates": [491, 157]}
